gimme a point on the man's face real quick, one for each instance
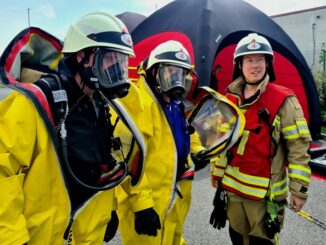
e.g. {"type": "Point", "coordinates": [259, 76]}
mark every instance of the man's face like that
{"type": "Point", "coordinates": [169, 72]}
{"type": "Point", "coordinates": [170, 76]}
{"type": "Point", "coordinates": [109, 59]}
{"type": "Point", "coordinates": [254, 67]}
{"type": "Point", "coordinates": [113, 58]}
{"type": "Point", "coordinates": [111, 67]}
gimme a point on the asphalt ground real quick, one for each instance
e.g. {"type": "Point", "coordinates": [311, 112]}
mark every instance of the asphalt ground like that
{"type": "Point", "coordinates": [297, 230]}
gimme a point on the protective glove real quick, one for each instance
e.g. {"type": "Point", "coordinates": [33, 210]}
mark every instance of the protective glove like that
{"type": "Point", "coordinates": [218, 216]}
{"type": "Point", "coordinates": [112, 227]}
{"type": "Point", "coordinates": [147, 222]}
{"type": "Point", "coordinates": [271, 223]}
{"type": "Point", "coordinates": [199, 161]}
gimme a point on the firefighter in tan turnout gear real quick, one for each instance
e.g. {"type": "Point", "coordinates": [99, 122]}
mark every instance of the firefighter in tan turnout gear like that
{"type": "Point", "coordinates": [253, 172]}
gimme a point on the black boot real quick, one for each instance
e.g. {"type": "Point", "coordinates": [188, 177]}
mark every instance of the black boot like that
{"type": "Point", "coordinates": [236, 237]}
{"type": "Point", "coordinates": [259, 241]}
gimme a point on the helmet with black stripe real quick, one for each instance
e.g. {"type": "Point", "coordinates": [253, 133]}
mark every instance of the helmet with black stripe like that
{"type": "Point", "coordinates": [253, 44]}
{"type": "Point", "coordinates": [98, 30]}
{"type": "Point", "coordinates": [108, 38]}
{"type": "Point", "coordinates": [170, 62]}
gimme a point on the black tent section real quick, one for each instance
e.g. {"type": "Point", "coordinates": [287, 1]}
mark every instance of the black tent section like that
{"type": "Point", "coordinates": [131, 19]}
{"type": "Point", "coordinates": [210, 29]}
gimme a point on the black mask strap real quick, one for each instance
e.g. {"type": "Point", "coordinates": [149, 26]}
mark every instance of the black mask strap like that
{"type": "Point", "coordinates": [86, 73]}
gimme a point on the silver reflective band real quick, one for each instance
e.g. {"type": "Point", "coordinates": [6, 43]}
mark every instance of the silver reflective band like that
{"type": "Point", "coordinates": [299, 172]}
{"type": "Point", "coordinates": [4, 92]}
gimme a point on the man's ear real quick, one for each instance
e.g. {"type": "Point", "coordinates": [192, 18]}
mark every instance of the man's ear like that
{"type": "Point", "coordinates": [154, 71]}
{"type": "Point", "coordinates": [80, 56]}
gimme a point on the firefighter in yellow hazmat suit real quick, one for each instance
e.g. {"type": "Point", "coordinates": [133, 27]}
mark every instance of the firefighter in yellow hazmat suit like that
{"type": "Point", "coordinates": [154, 211]}
{"type": "Point", "coordinates": [59, 188]}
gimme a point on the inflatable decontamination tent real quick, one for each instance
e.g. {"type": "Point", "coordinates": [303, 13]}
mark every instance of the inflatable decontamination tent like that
{"type": "Point", "coordinates": [210, 30]}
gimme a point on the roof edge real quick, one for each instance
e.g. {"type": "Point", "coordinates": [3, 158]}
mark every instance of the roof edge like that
{"type": "Point", "coordinates": [298, 11]}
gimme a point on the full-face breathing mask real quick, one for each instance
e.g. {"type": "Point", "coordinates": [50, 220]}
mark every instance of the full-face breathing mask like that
{"type": "Point", "coordinates": [109, 73]}
{"type": "Point", "coordinates": [171, 80]}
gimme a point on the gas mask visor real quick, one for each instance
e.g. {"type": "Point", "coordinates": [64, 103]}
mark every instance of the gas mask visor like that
{"type": "Point", "coordinates": [171, 79]}
{"type": "Point", "coordinates": [111, 69]}
{"type": "Point", "coordinates": [218, 123]}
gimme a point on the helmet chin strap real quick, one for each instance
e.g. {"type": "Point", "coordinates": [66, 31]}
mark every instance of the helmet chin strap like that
{"type": "Point", "coordinates": [87, 75]}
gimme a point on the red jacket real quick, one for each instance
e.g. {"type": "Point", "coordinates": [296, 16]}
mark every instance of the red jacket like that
{"type": "Point", "coordinates": [250, 159]}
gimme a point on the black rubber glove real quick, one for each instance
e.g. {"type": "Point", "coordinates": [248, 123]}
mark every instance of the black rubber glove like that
{"type": "Point", "coordinates": [112, 227]}
{"type": "Point", "coordinates": [271, 223]}
{"type": "Point", "coordinates": [147, 222]}
{"type": "Point", "coordinates": [199, 161]}
{"type": "Point", "coordinates": [218, 216]}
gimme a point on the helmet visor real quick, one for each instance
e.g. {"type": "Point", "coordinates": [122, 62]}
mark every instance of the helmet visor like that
{"type": "Point", "coordinates": [111, 68]}
{"type": "Point", "coordinates": [170, 76]}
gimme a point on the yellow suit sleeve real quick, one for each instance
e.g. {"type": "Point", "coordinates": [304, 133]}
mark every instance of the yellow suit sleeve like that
{"type": "Point", "coordinates": [195, 144]}
{"type": "Point", "coordinates": [138, 104]}
{"type": "Point", "coordinates": [139, 197]}
{"type": "Point", "coordinates": [18, 136]}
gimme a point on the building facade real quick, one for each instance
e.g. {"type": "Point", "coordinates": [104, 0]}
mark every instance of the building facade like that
{"type": "Point", "coordinates": [307, 28]}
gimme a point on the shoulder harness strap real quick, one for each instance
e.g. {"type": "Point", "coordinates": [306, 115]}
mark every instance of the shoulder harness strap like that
{"type": "Point", "coordinates": [59, 98]}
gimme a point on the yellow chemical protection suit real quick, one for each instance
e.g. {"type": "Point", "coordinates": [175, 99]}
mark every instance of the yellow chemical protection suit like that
{"type": "Point", "coordinates": [159, 187]}
{"type": "Point", "coordinates": [35, 206]}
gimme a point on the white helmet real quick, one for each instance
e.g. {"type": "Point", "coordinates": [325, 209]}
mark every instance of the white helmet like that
{"type": "Point", "coordinates": [171, 52]}
{"type": "Point", "coordinates": [110, 41]}
{"type": "Point", "coordinates": [173, 64]}
{"type": "Point", "coordinates": [98, 30]}
{"type": "Point", "coordinates": [253, 44]}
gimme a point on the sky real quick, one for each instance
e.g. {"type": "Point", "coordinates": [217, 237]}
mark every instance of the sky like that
{"type": "Point", "coordinates": [55, 16]}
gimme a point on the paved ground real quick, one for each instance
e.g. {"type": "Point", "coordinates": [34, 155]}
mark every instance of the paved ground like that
{"type": "Point", "coordinates": [297, 230]}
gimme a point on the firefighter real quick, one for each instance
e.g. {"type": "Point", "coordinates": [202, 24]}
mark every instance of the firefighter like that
{"type": "Point", "coordinates": [154, 212]}
{"type": "Point", "coordinates": [253, 172]}
{"type": "Point", "coordinates": [58, 189]}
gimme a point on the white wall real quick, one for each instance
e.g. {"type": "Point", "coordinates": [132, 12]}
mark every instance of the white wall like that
{"type": "Point", "coordinates": [308, 30]}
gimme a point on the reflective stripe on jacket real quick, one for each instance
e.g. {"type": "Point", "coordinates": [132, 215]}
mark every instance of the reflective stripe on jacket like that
{"type": "Point", "coordinates": [291, 147]}
{"type": "Point", "coordinates": [249, 170]}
